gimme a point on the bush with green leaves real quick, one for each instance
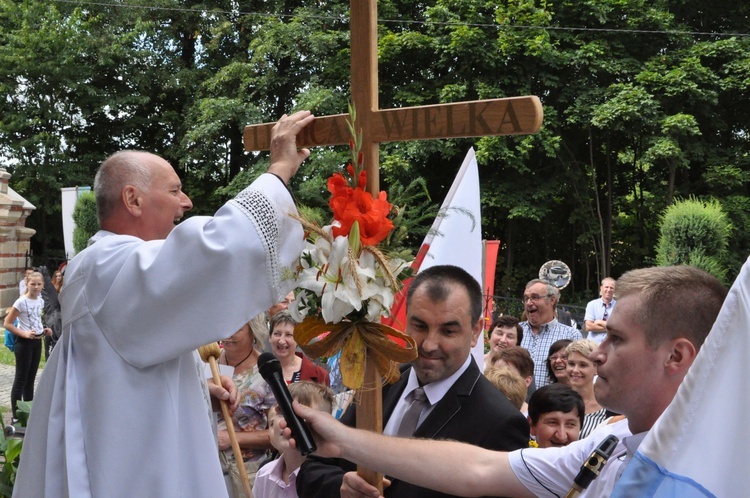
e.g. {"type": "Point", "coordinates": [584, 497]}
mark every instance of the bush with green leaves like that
{"type": "Point", "coordinates": [84, 217]}
{"type": "Point", "coordinates": [10, 451]}
{"type": "Point", "coordinates": [695, 232]}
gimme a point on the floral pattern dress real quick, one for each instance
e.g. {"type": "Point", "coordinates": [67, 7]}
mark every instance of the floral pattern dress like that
{"type": "Point", "coordinates": [255, 400]}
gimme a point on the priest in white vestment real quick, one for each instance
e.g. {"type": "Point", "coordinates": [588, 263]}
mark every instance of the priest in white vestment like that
{"type": "Point", "coordinates": [120, 409]}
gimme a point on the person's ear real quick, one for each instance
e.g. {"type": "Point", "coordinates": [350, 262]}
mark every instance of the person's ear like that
{"type": "Point", "coordinates": [476, 331]}
{"type": "Point", "coordinates": [132, 200]}
{"type": "Point", "coordinates": [682, 354]}
{"type": "Point", "coordinates": [532, 429]}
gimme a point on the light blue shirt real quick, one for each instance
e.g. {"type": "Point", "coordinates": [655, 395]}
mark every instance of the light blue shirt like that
{"type": "Point", "coordinates": [598, 310]}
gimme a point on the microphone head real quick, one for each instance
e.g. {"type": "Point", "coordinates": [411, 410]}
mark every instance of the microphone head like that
{"type": "Point", "coordinates": [268, 364]}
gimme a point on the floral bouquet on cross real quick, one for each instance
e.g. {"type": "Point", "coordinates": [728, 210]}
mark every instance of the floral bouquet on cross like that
{"type": "Point", "coordinates": [346, 281]}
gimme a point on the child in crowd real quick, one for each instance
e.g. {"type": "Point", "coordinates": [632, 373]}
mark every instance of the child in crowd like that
{"type": "Point", "coordinates": [556, 414]}
{"type": "Point", "coordinates": [29, 331]}
{"type": "Point", "coordinates": [518, 360]}
{"type": "Point", "coordinates": [509, 383]}
{"type": "Point", "coordinates": [277, 479]}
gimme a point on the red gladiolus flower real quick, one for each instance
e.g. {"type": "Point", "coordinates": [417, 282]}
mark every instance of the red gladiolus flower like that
{"type": "Point", "coordinates": [350, 205]}
{"type": "Point", "coordinates": [338, 186]}
{"type": "Point", "coordinates": [361, 181]}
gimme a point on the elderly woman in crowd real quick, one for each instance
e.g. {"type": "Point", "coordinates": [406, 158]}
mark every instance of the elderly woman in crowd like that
{"type": "Point", "coordinates": [503, 333]}
{"type": "Point", "coordinates": [250, 421]}
{"type": "Point", "coordinates": [556, 414]}
{"type": "Point", "coordinates": [295, 365]}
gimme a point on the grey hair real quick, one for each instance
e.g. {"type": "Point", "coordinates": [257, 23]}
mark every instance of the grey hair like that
{"type": "Point", "coordinates": [551, 289]}
{"type": "Point", "coordinates": [118, 170]}
{"type": "Point", "coordinates": [258, 328]}
{"type": "Point", "coordinates": [282, 316]}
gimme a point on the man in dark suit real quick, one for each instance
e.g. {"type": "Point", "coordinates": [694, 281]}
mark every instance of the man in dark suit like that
{"type": "Point", "coordinates": [444, 306]}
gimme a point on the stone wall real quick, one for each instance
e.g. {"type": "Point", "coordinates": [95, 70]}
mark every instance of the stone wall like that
{"type": "Point", "coordinates": [15, 240]}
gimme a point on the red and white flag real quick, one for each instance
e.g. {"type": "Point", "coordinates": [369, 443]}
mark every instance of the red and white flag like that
{"type": "Point", "coordinates": [455, 239]}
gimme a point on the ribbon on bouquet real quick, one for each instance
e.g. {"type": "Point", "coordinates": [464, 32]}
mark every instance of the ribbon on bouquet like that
{"type": "Point", "coordinates": [356, 340]}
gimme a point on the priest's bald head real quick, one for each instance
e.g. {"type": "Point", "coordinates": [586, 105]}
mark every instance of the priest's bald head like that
{"type": "Point", "coordinates": [139, 194]}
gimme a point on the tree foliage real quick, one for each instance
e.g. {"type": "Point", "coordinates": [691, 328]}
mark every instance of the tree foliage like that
{"type": "Point", "coordinates": [84, 217]}
{"type": "Point", "coordinates": [645, 102]}
{"type": "Point", "coordinates": [695, 232]}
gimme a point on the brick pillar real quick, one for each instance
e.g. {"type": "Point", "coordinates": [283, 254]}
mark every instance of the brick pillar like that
{"type": "Point", "coordinates": [15, 240]}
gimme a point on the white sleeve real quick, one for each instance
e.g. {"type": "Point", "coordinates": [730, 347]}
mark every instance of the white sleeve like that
{"type": "Point", "coordinates": [155, 300]}
{"type": "Point", "coordinates": [549, 472]}
{"type": "Point", "coordinates": [590, 311]}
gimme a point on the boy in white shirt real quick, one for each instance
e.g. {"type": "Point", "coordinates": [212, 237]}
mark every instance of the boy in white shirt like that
{"type": "Point", "coordinates": [278, 478]}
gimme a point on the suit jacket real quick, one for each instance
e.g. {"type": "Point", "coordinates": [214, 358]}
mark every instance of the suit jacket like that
{"type": "Point", "coordinates": [472, 411]}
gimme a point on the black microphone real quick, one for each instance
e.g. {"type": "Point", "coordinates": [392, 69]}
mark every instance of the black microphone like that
{"type": "Point", "coordinates": [593, 465]}
{"type": "Point", "coordinates": [270, 369]}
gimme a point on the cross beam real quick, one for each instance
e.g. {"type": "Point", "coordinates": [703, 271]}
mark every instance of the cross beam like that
{"type": "Point", "coordinates": [505, 116]}
{"type": "Point", "coordinates": [508, 116]}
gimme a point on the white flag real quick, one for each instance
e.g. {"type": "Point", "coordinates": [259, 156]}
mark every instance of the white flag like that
{"type": "Point", "coordinates": [459, 241]}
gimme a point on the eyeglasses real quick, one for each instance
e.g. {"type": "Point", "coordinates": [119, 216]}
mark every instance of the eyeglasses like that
{"type": "Point", "coordinates": [535, 297]}
{"type": "Point", "coordinates": [555, 358]}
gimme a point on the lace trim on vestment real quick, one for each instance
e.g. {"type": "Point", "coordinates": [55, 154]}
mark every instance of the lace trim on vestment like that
{"type": "Point", "coordinates": [263, 214]}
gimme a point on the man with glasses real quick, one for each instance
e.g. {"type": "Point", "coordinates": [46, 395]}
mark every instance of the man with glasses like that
{"type": "Point", "coordinates": [541, 328]}
{"type": "Point", "coordinates": [598, 310]}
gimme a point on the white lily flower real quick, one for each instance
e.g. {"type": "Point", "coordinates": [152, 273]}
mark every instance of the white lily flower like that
{"type": "Point", "coordinates": [344, 284]}
{"type": "Point", "coordinates": [330, 279]}
{"type": "Point", "coordinates": [300, 307]}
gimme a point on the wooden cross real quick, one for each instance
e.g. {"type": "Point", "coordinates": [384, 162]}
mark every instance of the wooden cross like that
{"type": "Point", "coordinates": [506, 116]}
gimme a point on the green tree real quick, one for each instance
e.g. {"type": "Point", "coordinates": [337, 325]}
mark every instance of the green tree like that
{"type": "Point", "coordinates": [695, 232]}
{"type": "Point", "coordinates": [81, 82]}
{"type": "Point", "coordinates": [86, 223]}
{"type": "Point", "coordinates": [39, 115]}
{"type": "Point", "coordinates": [641, 107]}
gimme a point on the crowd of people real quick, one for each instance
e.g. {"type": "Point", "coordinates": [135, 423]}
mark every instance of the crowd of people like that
{"type": "Point", "coordinates": [662, 318]}
{"type": "Point", "coordinates": [567, 361]}
{"type": "Point", "coordinates": [123, 407]}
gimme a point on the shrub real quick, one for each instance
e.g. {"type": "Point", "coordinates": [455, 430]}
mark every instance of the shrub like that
{"type": "Point", "coordinates": [10, 451]}
{"type": "Point", "coordinates": [696, 233]}
{"type": "Point", "coordinates": [84, 217]}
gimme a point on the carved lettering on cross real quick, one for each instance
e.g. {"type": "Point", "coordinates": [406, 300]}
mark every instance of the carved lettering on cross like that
{"type": "Point", "coordinates": [508, 116]}
{"type": "Point", "coordinates": [504, 116]}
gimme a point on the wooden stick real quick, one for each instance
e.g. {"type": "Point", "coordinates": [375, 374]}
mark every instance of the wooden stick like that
{"type": "Point", "coordinates": [370, 416]}
{"type": "Point", "coordinates": [209, 353]}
